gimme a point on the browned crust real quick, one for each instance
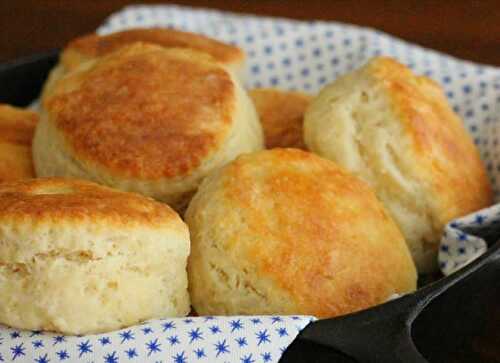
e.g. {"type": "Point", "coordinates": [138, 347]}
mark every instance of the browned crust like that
{"type": "Point", "coordinates": [69, 199]}
{"type": "Point", "coordinates": [145, 111]}
{"type": "Point", "coordinates": [446, 156]}
{"type": "Point", "coordinates": [93, 45]}
{"type": "Point", "coordinates": [281, 114]}
{"type": "Point", "coordinates": [318, 232]}
{"type": "Point", "coordinates": [16, 133]}
{"type": "Point", "coordinates": [17, 125]}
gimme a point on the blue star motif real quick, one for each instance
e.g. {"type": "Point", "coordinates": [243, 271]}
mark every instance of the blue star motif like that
{"type": "Point", "coordinates": [42, 359]}
{"type": "Point", "coordinates": [221, 347]}
{"type": "Point", "coordinates": [236, 325]}
{"type": "Point", "coordinates": [256, 321]}
{"type": "Point", "coordinates": [200, 353]}
{"type": "Point", "coordinates": [479, 219]}
{"type": "Point", "coordinates": [37, 344]}
{"type": "Point", "coordinates": [276, 319]}
{"type": "Point", "coordinates": [180, 358]}
{"type": "Point", "coordinates": [174, 339]}
{"type": "Point", "coordinates": [188, 321]}
{"type": "Point", "coordinates": [35, 332]}
{"type": "Point", "coordinates": [126, 335]}
{"type": "Point", "coordinates": [131, 353]}
{"type": "Point", "coordinates": [63, 354]}
{"type": "Point", "coordinates": [111, 358]}
{"type": "Point", "coordinates": [282, 332]}
{"type": "Point", "coordinates": [59, 339]}
{"type": "Point", "coordinates": [153, 346]}
{"type": "Point", "coordinates": [247, 359]}
{"type": "Point", "coordinates": [168, 325]}
{"type": "Point", "coordinates": [295, 318]}
{"type": "Point", "coordinates": [84, 347]}
{"type": "Point", "coordinates": [215, 329]}
{"type": "Point", "coordinates": [241, 341]}
{"type": "Point", "coordinates": [105, 340]}
{"type": "Point", "coordinates": [15, 335]}
{"type": "Point", "coordinates": [462, 237]}
{"type": "Point", "coordinates": [147, 330]}
{"type": "Point", "coordinates": [17, 351]}
{"type": "Point", "coordinates": [195, 334]}
{"type": "Point", "coordinates": [208, 318]}
{"type": "Point", "coordinates": [262, 337]}
{"type": "Point", "coordinates": [266, 357]}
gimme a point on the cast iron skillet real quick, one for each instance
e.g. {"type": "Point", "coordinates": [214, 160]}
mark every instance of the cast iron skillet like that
{"type": "Point", "coordinates": [456, 319]}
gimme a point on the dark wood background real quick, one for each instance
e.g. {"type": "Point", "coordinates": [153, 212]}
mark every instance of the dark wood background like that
{"type": "Point", "coordinates": [466, 29]}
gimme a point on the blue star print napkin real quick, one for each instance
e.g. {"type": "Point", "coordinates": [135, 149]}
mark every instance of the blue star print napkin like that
{"type": "Point", "coordinates": [290, 55]}
{"type": "Point", "coordinates": [203, 339]}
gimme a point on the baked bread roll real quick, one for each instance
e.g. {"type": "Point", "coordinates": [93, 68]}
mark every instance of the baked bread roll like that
{"type": "Point", "coordinates": [78, 258]}
{"type": "Point", "coordinates": [281, 115]}
{"type": "Point", "coordinates": [92, 46]}
{"type": "Point", "coordinates": [396, 131]}
{"type": "Point", "coordinates": [16, 133]}
{"type": "Point", "coordinates": [284, 231]}
{"type": "Point", "coordinates": [146, 119]}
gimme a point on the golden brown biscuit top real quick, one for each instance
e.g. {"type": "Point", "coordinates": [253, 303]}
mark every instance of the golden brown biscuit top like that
{"type": "Point", "coordinates": [282, 115]}
{"type": "Point", "coordinates": [93, 45]}
{"type": "Point", "coordinates": [447, 158]}
{"type": "Point", "coordinates": [145, 111]}
{"type": "Point", "coordinates": [17, 125]}
{"type": "Point", "coordinates": [16, 133]}
{"type": "Point", "coordinates": [309, 220]}
{"type": "Point", "coordinates": [69, 199]}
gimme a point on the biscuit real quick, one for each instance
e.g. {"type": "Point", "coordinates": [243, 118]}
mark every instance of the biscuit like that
{"type": "Point", "coordinates": [79, 258]}
{"type": "Point", "coordinates": [281, 115]}
{"type": "Point", "coordinates": [284, 231]}
{"type": "Point", "coordinates": [396, 131]}
{"type": "Point", "coordinates": [16, 132]}
{"type": "Point", "coordinates": [92, 46]}
{"type": "Point", "coordinates": [146, 119]}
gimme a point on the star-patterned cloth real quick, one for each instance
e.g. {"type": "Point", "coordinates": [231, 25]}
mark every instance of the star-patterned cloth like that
{"type": "Point", "coordinates": [291, 55]}
{"type": "Point", "coordinates": [247, 339]}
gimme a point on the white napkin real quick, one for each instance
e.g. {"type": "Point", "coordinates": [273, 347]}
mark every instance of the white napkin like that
{"type": "Point", "coordinates": [305, 56]}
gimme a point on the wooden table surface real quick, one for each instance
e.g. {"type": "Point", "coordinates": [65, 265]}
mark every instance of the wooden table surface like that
{"type": "Point", "coordinates": [466, 29]}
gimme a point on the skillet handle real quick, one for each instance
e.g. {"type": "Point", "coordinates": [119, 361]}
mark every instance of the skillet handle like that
{"type": "Point", "coordinates": [383, 333]}
{"type": "Point", "coordinates": [380, 334]}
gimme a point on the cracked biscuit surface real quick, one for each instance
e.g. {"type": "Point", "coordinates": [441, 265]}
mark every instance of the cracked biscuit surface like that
{"type": "Point", "coordinates": [79, 258]}
{"type": "Point", "coordinates": [396, 131]}
{"type": "Point", "coordinates": [284, 231]}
